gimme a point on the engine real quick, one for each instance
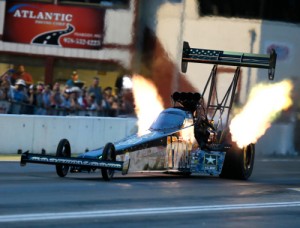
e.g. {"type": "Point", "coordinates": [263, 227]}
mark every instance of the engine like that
{"type": "Point", "coordinates": [204, 130]}
{"type": "Point", "coordinates": [205, 133]}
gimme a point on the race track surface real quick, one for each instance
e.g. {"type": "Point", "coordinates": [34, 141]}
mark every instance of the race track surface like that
{"type": "Point", "coordinates": [34, 196]}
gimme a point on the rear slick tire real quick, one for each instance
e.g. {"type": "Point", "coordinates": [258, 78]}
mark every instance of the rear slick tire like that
{"type": "Point", "coordinates": [239, 163]}
{"type": "Point", "coordinates": [63, 150]}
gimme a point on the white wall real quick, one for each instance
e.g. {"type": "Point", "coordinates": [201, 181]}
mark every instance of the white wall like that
{"type": "Point", "coordinates": [180, 21]}
{"type": "Point", "coordinates": [34, 133]}
{"type": "Point", "coordinates": [2, 14]}
{"type": "Point", "coordinates": [119, 26]}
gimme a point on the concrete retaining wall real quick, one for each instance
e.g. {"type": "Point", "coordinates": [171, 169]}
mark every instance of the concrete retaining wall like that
{"type": "Point", "coordinates": [37, 133]}
{"type": "Point", "coordinates": [278, 140]}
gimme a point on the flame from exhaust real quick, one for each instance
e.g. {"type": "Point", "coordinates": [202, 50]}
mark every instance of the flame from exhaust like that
{"type": "Point", "coordinates": [263, 107]}
{"type": "Point", "coordinates": [148, 103]}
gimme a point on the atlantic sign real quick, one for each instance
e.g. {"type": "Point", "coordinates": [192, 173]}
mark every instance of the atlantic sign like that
{"type": "Point", "coordinates": [53, 25]}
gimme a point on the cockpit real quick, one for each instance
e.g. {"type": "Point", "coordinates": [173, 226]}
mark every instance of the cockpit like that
{"type": "Point", "coordinates": [170, 119]}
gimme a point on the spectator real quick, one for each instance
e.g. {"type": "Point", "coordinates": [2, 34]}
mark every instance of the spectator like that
{"type": "Point", "coordinates": [19, 92]}
{"type": "Point", "coordinates": [110, 103]}
{"type": "Point", "coordinates": [47, 94]}
{"type": "Point", "coordinates": [71, 82]}
{"type": "Point", "coordinates": [83, 98]}
{"type": "Point", "coordinates": [22, 74]}
{"type": "Point", "coordinates": [7, 75]}
{"type": "Point", "coordinates": [127, 103]}
{"type": "Point", "coordinates": [36, 98]}
{"type": "Point", "coordinates": [92, 102]}
{"type": "Point", "coordinates": [39, 94]}
{"type": "Point", "coordinates": [6, 90]}
{"type": "Point", "coordinates": [96, 90]}
{"type": "Point", "coordinates": [75, 93]}
{"type": "Point", "coordinates": [66, 101]}
{"type": "Point", "coordinates": [32, 108]}
{"type": "Point", "coordinates": [56, 97]}
{"type": "Point", "coordinates": [74, 81]}
{"type": "Point", "coordinates": [32, 95]}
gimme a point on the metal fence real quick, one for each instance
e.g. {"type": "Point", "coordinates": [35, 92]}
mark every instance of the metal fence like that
{"type": "Point", "coordinates": [8, 107]}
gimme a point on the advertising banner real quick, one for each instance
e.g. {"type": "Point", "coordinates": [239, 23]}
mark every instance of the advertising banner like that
{"type": "Point", "coordinates": [53, 25]}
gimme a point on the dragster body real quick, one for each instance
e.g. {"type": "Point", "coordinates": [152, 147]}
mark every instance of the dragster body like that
{"type": "Point", "coordinates": [168, 145]}
{"type": "Point", "coordinates": [192, 137]}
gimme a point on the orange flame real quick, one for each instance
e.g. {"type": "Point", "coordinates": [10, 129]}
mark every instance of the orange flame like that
{"type": "Point", "coordinates": [263, 107]}
{"type": "Point", "coordinates": [148, 103]}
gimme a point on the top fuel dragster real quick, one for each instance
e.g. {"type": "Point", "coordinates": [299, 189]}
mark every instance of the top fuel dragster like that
{"type": "Point", "coordinates": [192, 137]}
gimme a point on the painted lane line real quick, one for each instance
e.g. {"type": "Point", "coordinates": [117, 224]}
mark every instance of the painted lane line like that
{"type": "Point", "coordinates": [279, 160]}
{"type": "Point", "coordinates": [141, 211]}
{"type": "Point", "coordinates": [295, 189]}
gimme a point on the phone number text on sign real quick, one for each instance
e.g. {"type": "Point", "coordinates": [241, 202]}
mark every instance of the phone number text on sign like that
{"type": "Point", "coordinates": [81, 41]}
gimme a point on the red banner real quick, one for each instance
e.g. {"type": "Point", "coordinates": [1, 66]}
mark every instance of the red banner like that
{"type": "Point", "coordinates": [53, 25]}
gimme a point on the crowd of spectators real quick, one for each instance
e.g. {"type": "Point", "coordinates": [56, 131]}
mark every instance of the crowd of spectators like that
{"type": "Point", "coordinates": [70, 98]}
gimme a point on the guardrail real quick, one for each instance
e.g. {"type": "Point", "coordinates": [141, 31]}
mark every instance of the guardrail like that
{"type": "Point", "coordinates": [11, 107]}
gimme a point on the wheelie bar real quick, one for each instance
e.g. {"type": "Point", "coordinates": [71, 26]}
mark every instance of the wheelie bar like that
{"type": "Point", "coordinates": [78, 162]}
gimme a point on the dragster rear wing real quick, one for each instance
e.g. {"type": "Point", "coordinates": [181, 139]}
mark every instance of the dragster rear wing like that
{"type": "Point", "coordinates": [197, 55]}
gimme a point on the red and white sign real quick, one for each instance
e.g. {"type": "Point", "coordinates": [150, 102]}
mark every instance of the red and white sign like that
{"type": "Point", "coordinates": [53, 25]}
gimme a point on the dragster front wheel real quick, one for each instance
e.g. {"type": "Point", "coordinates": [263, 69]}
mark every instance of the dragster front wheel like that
{"type": "Point", "coordinates": [108, 154]}
{"type": "Point", "coordinates": [63, 150]}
